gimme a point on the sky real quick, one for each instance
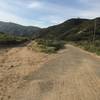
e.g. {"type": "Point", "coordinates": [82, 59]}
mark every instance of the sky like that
{"type": "Point", "coordinates": [44, 13]}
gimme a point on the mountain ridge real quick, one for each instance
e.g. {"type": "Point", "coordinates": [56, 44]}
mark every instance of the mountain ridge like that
{"type": "Point", "coordinates": [72, 25]}
{"type": "Point", "coordinates": [17, 29]}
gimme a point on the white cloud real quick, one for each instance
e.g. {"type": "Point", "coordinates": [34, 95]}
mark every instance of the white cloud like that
{"type": "Point", "coordinates": [35, 4]}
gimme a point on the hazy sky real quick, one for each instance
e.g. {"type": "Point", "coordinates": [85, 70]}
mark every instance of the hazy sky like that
{"type": "Point", "coordinates": [44, 13]}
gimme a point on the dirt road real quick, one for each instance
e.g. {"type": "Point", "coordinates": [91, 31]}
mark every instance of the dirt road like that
{"type": "Point", "coordinates": [72, 74]}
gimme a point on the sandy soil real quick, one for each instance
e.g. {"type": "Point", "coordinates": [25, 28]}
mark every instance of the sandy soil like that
{"type": "Point", "coordinates": [16, 63]}
{"type": "Point", "coordinates": [72, 74]}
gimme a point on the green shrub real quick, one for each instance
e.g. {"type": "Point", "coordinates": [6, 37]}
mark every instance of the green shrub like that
{"type": "Point", "coordinates": [49, 50]}
{"type": "Point", "coordinates": [50, 46]}
{"type": "Point", "coordinates": [10, 39]}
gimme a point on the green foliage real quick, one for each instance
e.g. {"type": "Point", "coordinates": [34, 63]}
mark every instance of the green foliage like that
{"type": "Point", "coordinates": [50, 46]}
{"type": "Point", "coordinates": [78, 31]}
{"type": "Point", "coordinates": [10, 39]}
{"type": "Point", "coordinates": [95, 48]}
{"type": "Point", "coordinates": [48, 49]}
{"type": "Point", "coordinates": [60, 31]}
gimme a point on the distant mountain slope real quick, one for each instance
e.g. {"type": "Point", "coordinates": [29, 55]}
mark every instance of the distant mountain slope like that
{"type": "Point", "coordinates": [19, 30]}
{"type": "Point", "coordinates": [59, 30]}
{"type": "Point", "coordinates": [73, 29]}
{"type": "Point", "coordinates": [82, 32]}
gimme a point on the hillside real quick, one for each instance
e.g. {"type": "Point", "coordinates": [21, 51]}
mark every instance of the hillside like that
{"type": "Point", "coordinates": [58, 31]}
{"type": "Point", "coordinates": [7, 40]}
{"type": "Point", "coordinates": [78, 31]}
{"type": "Point", "coordinates": [72, 29]}
{"type": "Point", "coordinates": [19, 30]}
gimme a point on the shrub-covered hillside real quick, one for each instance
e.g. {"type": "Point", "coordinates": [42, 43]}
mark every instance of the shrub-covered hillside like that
{"type": "Point", "coordinates": [82, 32]}
{"type": "Point", "coordinates": [6, 39]}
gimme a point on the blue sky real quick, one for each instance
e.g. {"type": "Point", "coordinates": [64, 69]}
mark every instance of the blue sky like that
{"type": "Point", "coordinates": [44, 13]}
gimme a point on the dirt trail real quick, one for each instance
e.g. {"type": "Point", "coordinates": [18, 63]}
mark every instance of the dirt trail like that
{"type": "Point", "coordinates": [72, 74]}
